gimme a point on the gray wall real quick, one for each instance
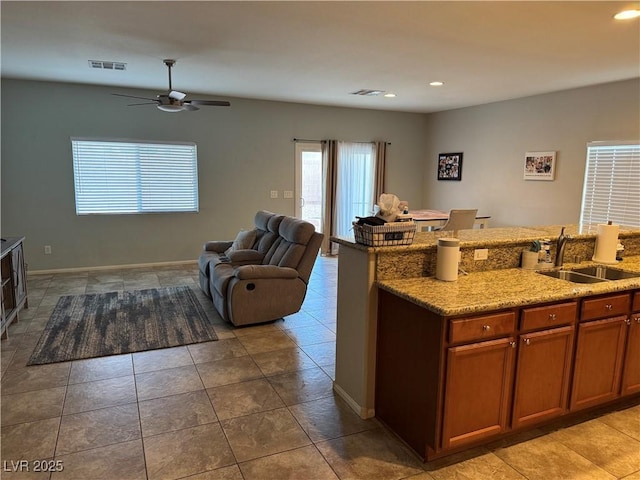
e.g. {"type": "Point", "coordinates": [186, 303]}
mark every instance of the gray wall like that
{"type": "Point", "coordinates": [246, 150]}
{"type": "Point", "coordinates": [495, 137]}
{"type": "Point", "coordinates": [243, 152]}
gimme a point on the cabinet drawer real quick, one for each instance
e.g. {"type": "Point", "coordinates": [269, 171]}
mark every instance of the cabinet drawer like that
{"type": "Point", "coordinates": [636, 302]}
{"type": "Point", "coordinates": [478, 328]}
{"type": "Point", "coordinates": [548, 316]}
{"type": "Point", "coordinates": [603, 307]}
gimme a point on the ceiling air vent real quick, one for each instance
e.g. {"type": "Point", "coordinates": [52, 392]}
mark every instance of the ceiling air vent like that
{"type": "Point", "coordinates": [367, 92]}
{"type": "Point", "coordinates": [107, 65]}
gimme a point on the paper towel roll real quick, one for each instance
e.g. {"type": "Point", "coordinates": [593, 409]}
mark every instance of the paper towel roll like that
{"type": "Point", "coordinates": [606, 244]}
{"type": "Point", "coordinates": [447, 259]}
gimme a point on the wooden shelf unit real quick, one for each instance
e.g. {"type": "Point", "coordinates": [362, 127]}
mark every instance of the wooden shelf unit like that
{"type": "Point", "coordinates": [14, 282]}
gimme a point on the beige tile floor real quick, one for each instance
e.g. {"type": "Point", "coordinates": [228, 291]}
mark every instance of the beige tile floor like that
{"type": "Point", "coordinates": [256, 404]}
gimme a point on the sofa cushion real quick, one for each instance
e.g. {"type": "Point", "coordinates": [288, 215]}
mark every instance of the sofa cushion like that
{"type": "Point", "coordinates": [295, 230]}
{"type": "Point", "coordinates": [243, 241]}
{"type": "Point", "coordinates": [268, 225]}
{"type": "Point", "coordinates": [246, 257]}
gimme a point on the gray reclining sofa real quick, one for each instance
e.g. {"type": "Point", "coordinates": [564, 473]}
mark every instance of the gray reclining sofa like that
{"type": "Point", "coordinates": [262, 275]}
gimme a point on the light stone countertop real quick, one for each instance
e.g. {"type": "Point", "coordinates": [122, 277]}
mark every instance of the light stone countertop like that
{"type": "Point", "coordinates": [498, 289]}
{"type": "Point", "coordinates": [488, 237]}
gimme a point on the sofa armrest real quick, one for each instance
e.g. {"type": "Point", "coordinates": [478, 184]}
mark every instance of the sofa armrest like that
{"type": "Point", "coordinates": [217, 246]}
{"type": "Point", "coordinates": [245, 257]}
{"type": "Point", "coordinates": [253, 272]}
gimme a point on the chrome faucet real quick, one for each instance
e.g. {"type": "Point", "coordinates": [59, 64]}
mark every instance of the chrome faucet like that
{"type": "Point", "coordinates": [560, 244]}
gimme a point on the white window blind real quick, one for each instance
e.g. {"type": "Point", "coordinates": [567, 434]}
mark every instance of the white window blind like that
{"type": "Point", "coordinates": [120, 177]}
{"type": "Point", "coordinates": [612, 184]}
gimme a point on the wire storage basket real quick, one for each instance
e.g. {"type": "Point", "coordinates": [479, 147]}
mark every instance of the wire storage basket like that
{"type": "Point", "coordinates": [395, 233]}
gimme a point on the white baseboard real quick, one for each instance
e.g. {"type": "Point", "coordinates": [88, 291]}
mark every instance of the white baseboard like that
{"type": "Point", "coordinates": [363, 412]}
{"type": "Point", "coordinates": [110, 267]}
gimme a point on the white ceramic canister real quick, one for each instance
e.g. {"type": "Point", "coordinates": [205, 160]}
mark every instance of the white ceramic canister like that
{"type": "Point", "coordinates": [447, 259]}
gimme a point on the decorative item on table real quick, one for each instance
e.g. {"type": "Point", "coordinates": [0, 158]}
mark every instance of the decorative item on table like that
{"type": "Point", "coordinates": [389, 226]}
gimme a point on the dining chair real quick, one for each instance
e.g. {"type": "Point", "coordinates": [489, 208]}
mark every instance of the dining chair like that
{"type": "Point", "coordinates": [460, 219]}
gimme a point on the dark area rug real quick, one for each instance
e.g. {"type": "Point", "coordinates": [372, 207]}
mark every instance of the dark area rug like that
{"type": "Point", "coordinates": [101, 324]}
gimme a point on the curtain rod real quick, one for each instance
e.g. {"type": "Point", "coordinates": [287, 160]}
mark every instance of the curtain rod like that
{"type": "Point", "coordinates": [323, 141]}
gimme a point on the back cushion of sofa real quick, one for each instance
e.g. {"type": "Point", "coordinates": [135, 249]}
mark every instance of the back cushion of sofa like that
{"type": "Point", "coordinates": [295, 234]}
{"type": "Point", "coordinates": [267, 225]}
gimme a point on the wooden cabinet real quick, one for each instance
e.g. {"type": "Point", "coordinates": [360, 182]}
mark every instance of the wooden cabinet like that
{"type": "Point", "coordinates": [600, 350]}
{"type": "Point", "coordinates": [544, 363]}
{"type": "Point", "coordinates": [478, 390]}
{"type": "Point", "coordinates": [481, 327]}
{"type": "Point", "coordinates": [543, 373]}
{"type": "Point", "coordinates": [14, 281]}
{"type": "Point", "coordinates": [444, 384]}
{"type": "Point", "coordinates": [631, 372]}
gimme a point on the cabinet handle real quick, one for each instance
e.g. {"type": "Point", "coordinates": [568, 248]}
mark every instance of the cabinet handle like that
{"type": "Point", "coordinates": [552, 316]}
{"type": "Point", "coordinates": [527, 341]}
{"type": "Point", "coordinates": [486, 328]}
{"type": "Point", "coordinates": [628, 321]}
{"type": "Point", "coordinates": [637, 319]}
{"type": "Point", "coordinates": [608, 306]}
{"type": "Point", "coordinates": [513, 344]}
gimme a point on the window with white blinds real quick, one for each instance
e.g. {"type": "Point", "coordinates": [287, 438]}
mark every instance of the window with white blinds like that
{"type": "Point", "coordinates": [612, 184]}
{"type": "Point", "coordinates": [121, 177]}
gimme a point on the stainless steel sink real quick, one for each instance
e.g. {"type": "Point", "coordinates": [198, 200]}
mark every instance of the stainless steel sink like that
{"type": "Point", "coordinates": [572, 276]}
{"type": "Point", "coordinates": [607, 273]}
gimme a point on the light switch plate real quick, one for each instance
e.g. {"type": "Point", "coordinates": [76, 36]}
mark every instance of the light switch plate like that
{"type": "Point", "coordinates": [274, 193]}
{"type": "Point", "coordinates": [288, 194]}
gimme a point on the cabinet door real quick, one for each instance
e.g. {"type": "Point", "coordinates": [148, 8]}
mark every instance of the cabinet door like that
{"type": "Point", "coordinates": [542, 375]}
{"type": "Point", "coordinates": [477, 391]}
{"type": "Point", "coordinates": [631, 373]}
{"type": "Point", "coordinates": [598, 364]}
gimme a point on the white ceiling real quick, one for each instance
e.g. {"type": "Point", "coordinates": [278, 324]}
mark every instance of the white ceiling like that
{"type": "Point", "coordinates": [319, 52]}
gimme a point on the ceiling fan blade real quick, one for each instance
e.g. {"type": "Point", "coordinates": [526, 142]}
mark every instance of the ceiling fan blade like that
{"type": "Point", "coordinates": [133, 96]}
{"type": "Point", "coordinates": [215, 103]}
{"type": "Point", "coordinates": [146, 103]}
{"type": "Point", "coordinates": [188, 107]}
{"type": "Point", "coordinates": [177, 95]}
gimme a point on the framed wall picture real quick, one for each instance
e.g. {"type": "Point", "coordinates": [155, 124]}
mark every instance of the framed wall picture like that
{"type": "Point", "coordinates": [539, 165]}
{"type": "Point", "coordinates": [450, 166]}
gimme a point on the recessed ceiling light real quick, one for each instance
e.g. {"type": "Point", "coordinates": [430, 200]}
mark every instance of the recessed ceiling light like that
{"type": "Point", "coordinates": [627, 14]}
{"type": "Point", "coordinates": [436, 84]}
{"type": "Point", "coordinates": [390, 95]}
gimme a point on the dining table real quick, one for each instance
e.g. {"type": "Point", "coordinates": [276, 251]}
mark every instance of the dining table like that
{"type": "Point", "coordinates": [427, 219]}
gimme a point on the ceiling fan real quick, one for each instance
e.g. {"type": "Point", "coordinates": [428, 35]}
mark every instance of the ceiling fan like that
{"type": "Point", "coordinates": [174, 101]}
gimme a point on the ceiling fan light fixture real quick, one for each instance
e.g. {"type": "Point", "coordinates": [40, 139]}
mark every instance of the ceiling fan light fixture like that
{"type": "Point", "coordinates": [170, 108]}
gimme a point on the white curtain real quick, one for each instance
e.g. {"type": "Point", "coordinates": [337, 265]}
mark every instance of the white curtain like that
{"type": "Point", "coordinates": [356, 173]}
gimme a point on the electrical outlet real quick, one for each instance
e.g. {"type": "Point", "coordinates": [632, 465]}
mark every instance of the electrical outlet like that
{"type": "Point", "coordinates": [481, 254]}
{"type": "Point", "coordinates": [47, 249]}
{"type": "Point", "coordinates": [288, 194]}
{"type": "Point", "coordinates": [274, 193]}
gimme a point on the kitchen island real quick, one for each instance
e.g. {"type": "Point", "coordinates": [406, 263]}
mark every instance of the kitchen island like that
{"type": "Point", "coordinates": [400, 332]}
